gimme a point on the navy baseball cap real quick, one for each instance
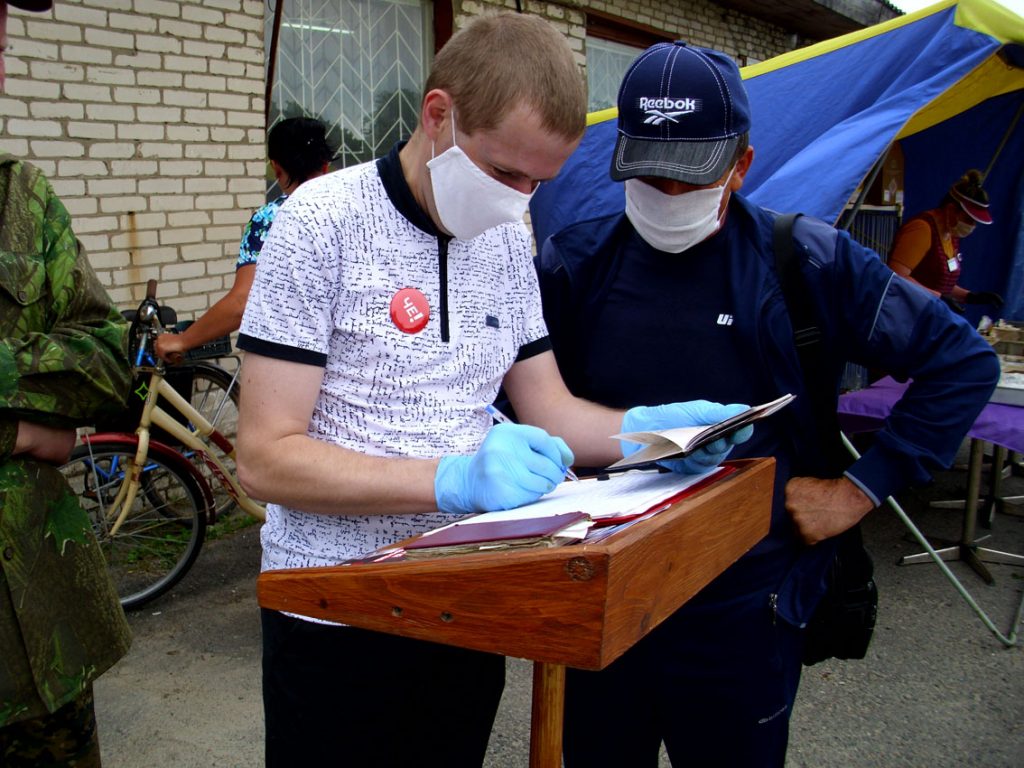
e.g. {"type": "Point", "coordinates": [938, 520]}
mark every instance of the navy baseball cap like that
{"type": "Point", "coordinates": [682, 110]}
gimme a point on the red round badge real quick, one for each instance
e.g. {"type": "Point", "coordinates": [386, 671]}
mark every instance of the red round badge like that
{"type": "Point", "coordinates": [410, 310]}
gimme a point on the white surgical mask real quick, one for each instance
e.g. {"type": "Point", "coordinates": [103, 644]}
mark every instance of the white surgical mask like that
{"type": "Point", "coordinates": [674, 223]}
{"type": "Point", "coordinates": [468, 201]}
{"type": "Point", "coordinates": [963, 229]}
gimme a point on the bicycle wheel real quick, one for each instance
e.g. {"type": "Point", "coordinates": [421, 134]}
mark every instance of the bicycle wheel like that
{"type": "Point", "coordinates": [215, 396]}
{"type": "Point", "coordinates": [160, 538]}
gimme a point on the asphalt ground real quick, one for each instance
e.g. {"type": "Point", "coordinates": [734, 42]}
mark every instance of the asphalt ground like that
{"type": "Point", "coordinates": [936, 689]}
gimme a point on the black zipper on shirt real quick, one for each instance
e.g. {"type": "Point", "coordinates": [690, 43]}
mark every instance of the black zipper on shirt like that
{"type": "Point", "coordinates": [390, 169]}
{"type": "Point", "coordinates": [442, 274]}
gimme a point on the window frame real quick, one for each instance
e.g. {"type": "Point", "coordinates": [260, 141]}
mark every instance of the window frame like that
{"type": "Point", "coordinates": [619, 30]}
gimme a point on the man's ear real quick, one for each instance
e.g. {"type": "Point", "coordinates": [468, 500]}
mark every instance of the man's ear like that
{"type": "Point", "coordinates": [742, 166]}
{"type": "Point", "coordinates": [435, 113]}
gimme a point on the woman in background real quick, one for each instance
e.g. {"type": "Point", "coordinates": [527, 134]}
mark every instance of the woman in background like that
{"type": "Point", "coordinates": [926, 250]}
{"type": "Point", "coordinates": [298, 151]}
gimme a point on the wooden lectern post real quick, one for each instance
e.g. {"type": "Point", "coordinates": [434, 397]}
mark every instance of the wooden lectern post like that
{"type": "Point", "coordinates": [581, 605]}
{"type": "Point", "coordinates": [546, 715]}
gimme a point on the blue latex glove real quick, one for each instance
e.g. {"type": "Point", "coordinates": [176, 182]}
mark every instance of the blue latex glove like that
{"type": "Point", "coordinates": [690, 414]}
{"type": "Point", "coordinates": [516, 464]}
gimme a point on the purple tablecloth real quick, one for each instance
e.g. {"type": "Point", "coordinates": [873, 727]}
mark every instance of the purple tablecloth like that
{"type": "Point", "coordinates": [866, 410]}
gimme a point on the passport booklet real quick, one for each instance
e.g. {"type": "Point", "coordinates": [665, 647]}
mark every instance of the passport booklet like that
{"type": "Point", "coordinates": [492, 531]}
{"type": "Point", "coordinates": [680, 442]}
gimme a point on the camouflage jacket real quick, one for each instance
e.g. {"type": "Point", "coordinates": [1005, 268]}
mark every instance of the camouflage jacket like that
{"type": "Point", "coordinates": [62, 362]}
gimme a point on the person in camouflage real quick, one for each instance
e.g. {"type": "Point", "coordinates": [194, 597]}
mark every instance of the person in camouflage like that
{"type": "Point", "coordinates": [63, 362]}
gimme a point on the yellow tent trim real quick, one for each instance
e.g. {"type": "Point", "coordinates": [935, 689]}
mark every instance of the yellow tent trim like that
{"type": "Point", "coordinates": [993, 77]}
{"type": "Point", "coordinates": [985, 16]}
{"type": "Point", "coordinates": [801, 54]}
{"type": "Point", "coordinates": [612, 113]}
{"type": "Point", "coordinates": [837, 43]}
{"type": "Point", "coordinates": [992, 18]}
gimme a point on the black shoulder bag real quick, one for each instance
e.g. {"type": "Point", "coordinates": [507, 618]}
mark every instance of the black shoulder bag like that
{"type": "Point", "coordinates": [844, 620]}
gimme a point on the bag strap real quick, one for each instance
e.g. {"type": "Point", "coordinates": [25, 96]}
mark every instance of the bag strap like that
{"type": "Point", "coordinates": [807, 337]}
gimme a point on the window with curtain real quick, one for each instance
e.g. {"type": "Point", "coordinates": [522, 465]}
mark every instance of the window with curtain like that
{"type": "Point", "coordinates": [357, 65]}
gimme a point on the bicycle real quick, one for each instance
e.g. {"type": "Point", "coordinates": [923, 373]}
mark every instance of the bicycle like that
{"type": "Point", "coordinates": [213, 391]}
{"type": "Point", "coordinates": [149, 503]}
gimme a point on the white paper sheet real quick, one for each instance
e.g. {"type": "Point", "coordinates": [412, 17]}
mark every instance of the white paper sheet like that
{"type": "Point", "coordinates": [622, 494]}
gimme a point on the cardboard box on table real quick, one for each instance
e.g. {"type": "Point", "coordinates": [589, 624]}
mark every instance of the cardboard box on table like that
{"type": "Point", "coordinates": [581, 605]}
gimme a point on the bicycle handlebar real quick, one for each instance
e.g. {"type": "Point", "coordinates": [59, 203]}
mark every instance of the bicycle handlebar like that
{"type": "Point", "coordinates": [148, 312]}
{"type": "Point", "coordinates": [147, 316]}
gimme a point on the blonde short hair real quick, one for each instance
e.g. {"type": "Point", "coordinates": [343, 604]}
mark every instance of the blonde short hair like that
{"type": "Point", "coordinates": [501, 61]}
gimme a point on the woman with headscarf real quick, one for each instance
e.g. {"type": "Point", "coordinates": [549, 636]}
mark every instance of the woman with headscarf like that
{"type": "Point", "coordinates": [926, 250]}
{"type": "Point", "coordinates": [298, 151]}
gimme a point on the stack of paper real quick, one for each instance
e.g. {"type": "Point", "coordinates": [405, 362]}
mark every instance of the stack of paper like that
{"type": "Point", "coordinates": [564, 516]}
{"type": "Point", "coordinates": [615, 496]}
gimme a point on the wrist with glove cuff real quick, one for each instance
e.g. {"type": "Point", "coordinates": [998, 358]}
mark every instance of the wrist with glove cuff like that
{"type": "Point", "coordinates": [515, 465]}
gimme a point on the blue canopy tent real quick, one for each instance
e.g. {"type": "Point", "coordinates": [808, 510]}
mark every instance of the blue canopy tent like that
{"type": "Point", "coordinates": [947, 82]}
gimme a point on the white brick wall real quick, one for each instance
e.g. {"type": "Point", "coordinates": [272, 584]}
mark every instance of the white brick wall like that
{"type": "Point", "coordinates": [147, 115]}
{"type": "Point", "coordinates": [701, 22]}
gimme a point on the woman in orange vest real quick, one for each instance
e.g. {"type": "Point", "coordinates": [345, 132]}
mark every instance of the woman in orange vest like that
{"type": "Point", "coordinates": [926, 250]}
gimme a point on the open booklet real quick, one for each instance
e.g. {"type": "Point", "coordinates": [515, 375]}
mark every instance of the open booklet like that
{"type": "Point", "coordinates": [679, 442]}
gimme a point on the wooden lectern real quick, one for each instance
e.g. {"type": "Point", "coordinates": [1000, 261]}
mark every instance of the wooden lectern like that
{"type": "Point", "coordinates": [581, 605]}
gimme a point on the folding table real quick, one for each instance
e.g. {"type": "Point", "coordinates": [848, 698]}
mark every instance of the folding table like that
{"type": "Point", "coordinates": [998, 424]}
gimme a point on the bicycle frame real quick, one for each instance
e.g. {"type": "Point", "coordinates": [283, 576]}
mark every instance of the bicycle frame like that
{"type": "Point", "coordinates": [194, 438]}
{"type": "Point", "coordinates": [155, 449]}
{"type": "Point", "coordinates": [153, 414]}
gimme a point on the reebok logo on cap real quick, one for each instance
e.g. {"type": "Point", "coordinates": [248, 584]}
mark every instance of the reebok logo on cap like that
{"type": "Point", "coordinates": [682, 113]}
{"type": "Point", "coordinates": [660, 109]}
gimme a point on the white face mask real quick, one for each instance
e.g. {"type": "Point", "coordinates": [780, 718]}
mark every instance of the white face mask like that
{"type": "Point", "coordinates": [468, 201]}
{"type": "Point", "coordinates": [963, 229]}
{"type": "Point", "coordinates": [674, 223]}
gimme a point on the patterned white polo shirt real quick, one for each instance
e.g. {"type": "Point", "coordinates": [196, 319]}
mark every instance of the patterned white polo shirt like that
{"type": "Point", "coordinates": [340, 249]}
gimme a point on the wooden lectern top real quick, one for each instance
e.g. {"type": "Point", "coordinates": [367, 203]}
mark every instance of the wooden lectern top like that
{"type": "Point", "coordinates": [581, 605]}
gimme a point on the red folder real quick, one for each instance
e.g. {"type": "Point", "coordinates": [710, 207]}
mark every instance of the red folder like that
{"type": "Point", "coordinates": [510, 532]}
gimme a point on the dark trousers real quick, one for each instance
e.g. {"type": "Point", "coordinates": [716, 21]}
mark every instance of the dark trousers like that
{"type": "Point", "coordinates": [715, 682]}
{"type": "Point", "coordinates": [63, 738]}
{"type": "Point", "coordinates": [341, 696]}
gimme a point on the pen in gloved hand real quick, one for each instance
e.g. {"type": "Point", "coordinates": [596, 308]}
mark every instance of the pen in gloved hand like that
{"type": "Point", "coordinates": [501, 418]}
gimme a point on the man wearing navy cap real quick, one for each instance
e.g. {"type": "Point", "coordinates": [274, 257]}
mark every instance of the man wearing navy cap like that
{"type": "Point", "coordinates": [678, 298]}
{"type": "Point", "coordinates": [390, 302]}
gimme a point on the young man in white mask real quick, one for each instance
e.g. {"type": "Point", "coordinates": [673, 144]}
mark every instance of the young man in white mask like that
{"type": "Point", "coordinates": [390, 302]}
{"type": "Point", "coordinates": [678, 298]}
